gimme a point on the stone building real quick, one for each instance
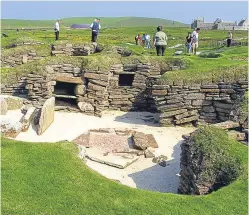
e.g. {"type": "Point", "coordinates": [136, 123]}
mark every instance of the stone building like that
{"type": "Point", "coordinates": [220, 25]}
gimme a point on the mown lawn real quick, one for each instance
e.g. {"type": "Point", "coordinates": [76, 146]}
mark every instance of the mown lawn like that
{"type": "Point", "coordinates": [48, 178]}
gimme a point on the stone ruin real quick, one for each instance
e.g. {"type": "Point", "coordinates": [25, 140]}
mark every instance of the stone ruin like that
{"type": "Point", "coordinates": [118, 147]}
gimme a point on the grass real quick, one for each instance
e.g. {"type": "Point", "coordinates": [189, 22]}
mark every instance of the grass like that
{"type": "Point", "coordinates": [49, 178]}
{"type": "Point", "coordinates": [105, 22]}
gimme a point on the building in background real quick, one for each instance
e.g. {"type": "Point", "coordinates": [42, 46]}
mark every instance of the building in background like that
{"type": "Point", "coordinates": [80, 26]}
{"type": "Point", "coordinates": [220, 25]}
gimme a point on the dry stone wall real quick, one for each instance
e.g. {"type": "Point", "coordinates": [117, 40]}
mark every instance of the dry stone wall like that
{"type": "Point", "coordinates": [98, 89]}
{"type": "Point", "coordinates": [18, 59]}
{"type": "Point", "coordinates": [205, 103]}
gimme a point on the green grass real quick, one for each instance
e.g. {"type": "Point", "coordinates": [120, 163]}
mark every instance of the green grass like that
{"type": "Point", "coordinates": [105, 22]}
{"type": "Point", "coordinates": [49, 178]}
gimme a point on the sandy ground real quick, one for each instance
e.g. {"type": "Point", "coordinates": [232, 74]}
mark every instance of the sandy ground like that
{"type": "Point", "coordinates": [143, 174]}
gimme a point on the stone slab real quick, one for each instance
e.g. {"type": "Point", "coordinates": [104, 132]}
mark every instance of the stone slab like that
{"type": "Point", "coordinates": [47, 115]}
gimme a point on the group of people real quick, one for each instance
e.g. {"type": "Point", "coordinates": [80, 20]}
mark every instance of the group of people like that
{"type": "Point", "coordinates": [160, 38]}
{"type": "Point", "coordinates": [144, 40]}
{"type": "Point", "coordinates": [159, 41]}
{"type": "Point", "coordinates": [192, 41]}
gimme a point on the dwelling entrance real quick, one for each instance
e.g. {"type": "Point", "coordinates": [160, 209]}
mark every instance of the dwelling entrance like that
{"type": "Point", "coordinates": [125, 79]}
{"type": "Point", "coordinates": [64, 94]}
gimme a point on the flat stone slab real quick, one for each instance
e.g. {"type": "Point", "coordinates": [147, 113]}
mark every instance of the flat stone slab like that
{"type": "Point", "coordinates": [47, 115]}
{"type": "Point", "coordinates": [111, 160]}
{"type": "Point", "coordinates": [227, 125]}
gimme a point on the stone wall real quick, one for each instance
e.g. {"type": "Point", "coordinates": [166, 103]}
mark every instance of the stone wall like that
{"type": "Point", "coordinates": [99, 89]}
{"type": "Point", "coordinates": [18, 59]}
{"type": "Point", "coordinates": [74, 50]}
{"type": "Point", "coordinates": [205, 103]}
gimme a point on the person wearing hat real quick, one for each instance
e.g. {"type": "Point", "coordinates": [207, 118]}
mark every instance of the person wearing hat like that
{"type": "Point", "coordinates": [95, 26]}
{"type": "Point", "coordinates": [160, 41]}
{"type": "Point", "coordinates": [57, 30]}
{"type": "Point", "coordinates": [229, 39]}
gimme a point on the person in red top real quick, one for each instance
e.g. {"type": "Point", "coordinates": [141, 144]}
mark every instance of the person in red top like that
{"type": "Point", "coordinates": [138, 39]}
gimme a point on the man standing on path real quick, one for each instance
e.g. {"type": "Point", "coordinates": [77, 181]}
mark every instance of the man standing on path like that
{"type": "Point", "coordinates": [195, 39]}
{"type": "Point", "coordinates": [95, 26]}
{"type": "Point", "coordinates": [57, 30]}
{"type": "Point", "coordinates": [160, 41]}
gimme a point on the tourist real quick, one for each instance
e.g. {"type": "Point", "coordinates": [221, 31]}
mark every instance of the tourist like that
{"type": "Point", "coordinates": [57, 29]}
{"type": "Point", "coordinates": [229, 39]}
{"type": "Point", "coordinates": [188, 42]}
{"type": "Point", "coordinates": [143, 40]}
{"type": "Point", "coordinates": [138, 39]}
{"type": "Point", "coordinates": [95, 26]}
{"type": "Point", "coordinates": [160, 41]}
{"type": "Point", "coordinates": [147, 40]}
{"type": "Point", "coordinates": [195, 38]}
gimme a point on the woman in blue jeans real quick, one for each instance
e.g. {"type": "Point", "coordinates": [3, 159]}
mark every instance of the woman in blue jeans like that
{"type": "Point", "coordinates": [189, 43]}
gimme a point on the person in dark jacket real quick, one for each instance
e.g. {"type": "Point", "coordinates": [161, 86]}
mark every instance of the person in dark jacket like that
{"type": "Point", "coordinates": [95, 26]}
{"type": "Point", "coordinates": [189, 43]}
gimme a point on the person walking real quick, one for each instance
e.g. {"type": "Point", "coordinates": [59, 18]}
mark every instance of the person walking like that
{"type": "Point", "coordinates": [160, 41]}
{"type": "Point", "coordinates": [95, 26]}
{"type": "Point", "coordinates": [188, 42]}
{"type": "Point", "coordinates": [229, 39]}
{"type": "Point", "coordinates": [195, 39]}
{"type": "Point", "coordinates": [147, 40]}
{"type": "Point", "coordinates": [57, 29]}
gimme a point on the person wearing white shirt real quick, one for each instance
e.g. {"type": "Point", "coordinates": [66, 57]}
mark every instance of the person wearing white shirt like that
{"type": "Point", "coordinates": [195, 38]}
{"type": "Point", "coordinates": [57, 30]}
{"type": "Point", "coordinates": [147, 40]}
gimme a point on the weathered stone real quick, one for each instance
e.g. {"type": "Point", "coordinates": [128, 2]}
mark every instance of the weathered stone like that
{"type": "Point", "coordinates": [227, 125]}
{"type": "Point", "coordinates": [3, 106]}
{"type": "Point", "coordinates": [223, 110]}
{"type": "Point", "coordinates": [10, 128]}
{"type": "Point", "coordinates": [195, 96]}
{"type": "Point", "coordinates": [223, 105]}
{"type": "Point", "coordinates": [185, 120]}
{"type": "Point", "coordinates": [111, 160]}
{"type": "Point", "coordinates": [201, 102]}
{"type": "Point", "coordinates": [27, 118]}
{"type": "Point", "coordinates": [159, 92]}
{"type": "Point", "coordinates": [140, 141]}
{"type": "Point", "coordinates": [96, 76]}
{"type": "Point", "coordinates": [208, 109]}
{"type": "Point", "coordinates": [47, 115]}
{"type": "Point", "coordinates": [24, 59]}
{"type": "Point", "coordinates": [210, 90]}
{"type": "Point", "coordinates": [172, 113]}
{"type": "Point", "coordinates": [161, 160]}
{"type": "Point", "coordinates": [180, 116]}
{"type": "Point", "coordinates": [70, 79]}
{"type": "Point", "coordinates": [148, 153]}
{"type": "Point", "coordinates": [85, 107]}
{"type": "Point", "coordinates": [151, 141]}
{"type": "Point", "coordinates": [210, 86]}
{"type": "Point", "coordinates": [80, 89]}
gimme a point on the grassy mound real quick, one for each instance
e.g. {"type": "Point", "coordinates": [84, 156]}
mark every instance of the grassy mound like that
{"type": "Point", "coordinates": [39, 178]}
{"type": "Point", "coordinates": [217, 156]}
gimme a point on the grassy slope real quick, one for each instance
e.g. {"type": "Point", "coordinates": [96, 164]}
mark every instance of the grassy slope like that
{"type": "Point", "coordinates": [105, 21]}
{"type": "Point", "coordinates": [50, 179]}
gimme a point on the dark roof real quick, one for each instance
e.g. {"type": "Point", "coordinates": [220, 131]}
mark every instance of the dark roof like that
{"type": "Point", "coordinates": [80, 26]}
